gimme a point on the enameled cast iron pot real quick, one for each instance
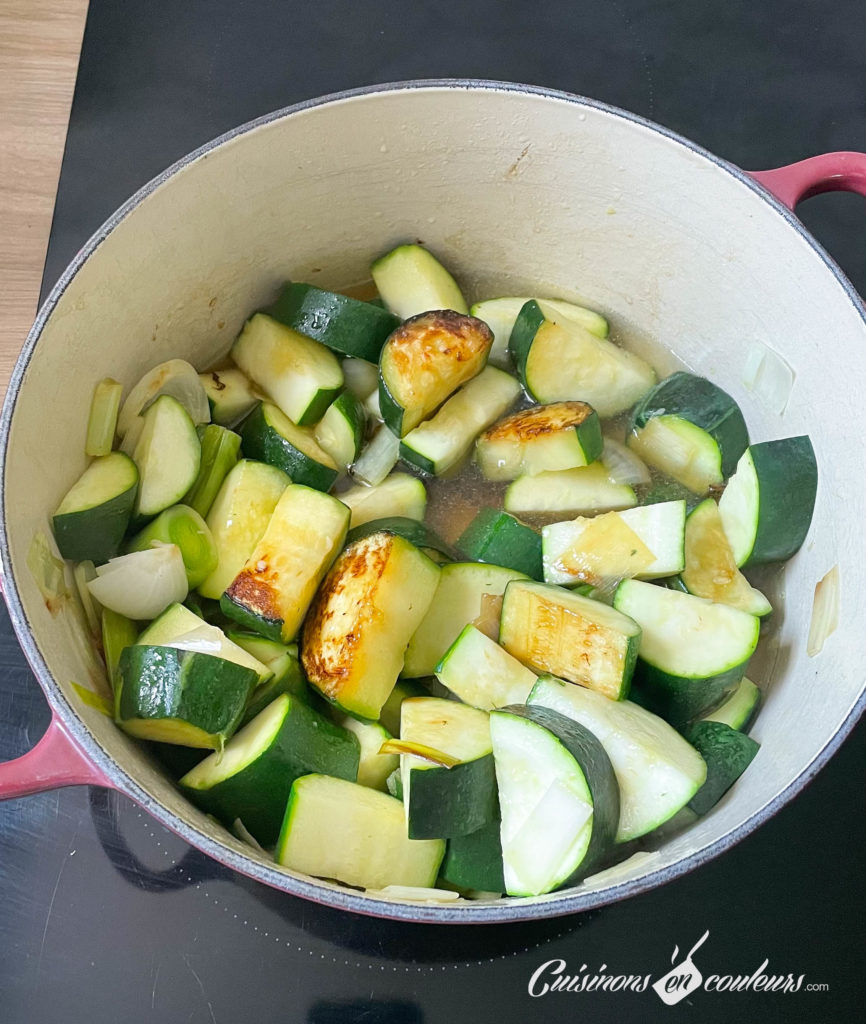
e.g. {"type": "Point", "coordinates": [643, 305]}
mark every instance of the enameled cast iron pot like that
{"type": "Point", "coordinates": [520, 191]}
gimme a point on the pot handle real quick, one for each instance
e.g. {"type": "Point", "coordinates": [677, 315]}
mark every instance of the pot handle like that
{"type": "Point", "coordinates": [55, 761]}
{"type": "Point", "coordinates": [829, 172]}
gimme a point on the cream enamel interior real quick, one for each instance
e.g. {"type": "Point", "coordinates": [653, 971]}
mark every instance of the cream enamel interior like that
{"type": "Point", "coordinates": [517, 192]}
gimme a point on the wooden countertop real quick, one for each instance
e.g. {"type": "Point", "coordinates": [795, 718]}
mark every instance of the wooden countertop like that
{"type": "Point", "coordinates": [40, 41]}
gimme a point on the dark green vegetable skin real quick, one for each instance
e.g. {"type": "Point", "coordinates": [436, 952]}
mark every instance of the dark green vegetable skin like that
{"type": "Point", "coordinates": [529, 319]}
{"type": "Point", "coordinates": [703, 403]}
{"type": "Point", "coordinates": [219, 453]}
{"type": "Point", "coordinates": [446, 802]}
{"type": "Point", "coordinates": [679, 699]}
{"type": "Point", "coordinates": [409, 529]}
{"type": "Point", "coordinates": [728, 754]}
{"type": "Point", "coordinates": [787, 475]}
{"type": "Point", "coordinates": [475, 861]}
{"type": "Point", "coordinates": [95, 533]}
{"type": "Point", "coordinates": [305, 743]}
{"type": "Point", "coordinates": [498, 538]}
{"type": "Point", "coordinates": [599, 774]}
{"type": "Point", "coordinates": [162, 682]}
{"type": "Point", "coordinates": [262, 441]}
{"type": "Point", "coordinates": [346, 325]}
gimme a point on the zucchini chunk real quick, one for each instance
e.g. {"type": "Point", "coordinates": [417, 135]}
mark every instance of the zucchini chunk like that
{"type": "Point", "coordinates": [739, 709]}
{"type": "Point", "coordinates": [270, 436]}
{"type": "Point", "coordinates": [481, 673]}
{"type": "Point", "coordinates": [179, 696]}
{"type": "Point", "coordinates": [440, 443]}
{"type": "Point", "coordinates": [252, 778]}
{"type": "Point", "coordinates": [499, 538]}
{"type": "Point", "coordinates": [690, 429]}
{"type": "Point", "coordinates": [561, 633]}
{"type": "Point", "coordinates": [272, 592]}
{"type": "Point", "coordinates": [298, 374]}
{"type": "Point", "coordinates": [374, 767]}
{"type": "Point", "coordinates": [92, 518]}
{"type": "Point", "coordinates": [558, 798]}
{"type": "Point", "coordinates": [177, 378]}
{"type": "Point", "coordinates": [219, 452]}
{"type": "Point", "coordinates": [183, 526]}
{"type": "Point", "coordinates": [467, 592]}
{"type": "Point", "coordinates": [230, 395]}
{"type": "Point", "coordinates": [727, 752]}
{"type": "Point", "coordinates": [711, 570]}
{"type": "Point", "coordinates": [182, 629]}
{"type": "Point", "coordinates": [238, 517]}
{"type": "Point", "coordinates": [361, 619]}
{"type": "Point", "coordinates": [397, 495]}
{"type": "Point", "coordinates": [563, 435]}
{"type": "Point", "coordinates": [582, 491]}
{"type": "Point", "coordinates": [410, 280]}
{"type": "Point", "coordinates": [426, 359]}
{"type": "Point", "coordinates": [440, 801]}
{"type": "Point", "coordinates": [500, 315]}
{"type": "Point", "coordinates": [340, 432]}
{"type": "Point", "coordinates": [768, 504]}
{"type": "Point", "coordinates": [657, 771]}
{"type": "Point", "coordinates": [692, 652]}
{"type": "Point", "coordinates": [168, 456]}
{"type": "Point", "coordinates": [345, 325]}
{"type": "Point", "coordinates": [338, 829]}
{"type": "Point", "coordinates": [474, 861]}
{"type": "Point", "coordinates": [644, 542]}
{"type": "Point", "coordinates": [558, 359]}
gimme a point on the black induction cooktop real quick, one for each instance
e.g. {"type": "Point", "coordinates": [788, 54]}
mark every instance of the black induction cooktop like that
{"type": "Point", "coordinates": [105, 916]}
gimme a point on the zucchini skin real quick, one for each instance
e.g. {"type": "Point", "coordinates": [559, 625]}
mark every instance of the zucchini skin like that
{"type": "Point", "coordinates": [702, 403]}
{"type": "Point", "coordinates": [501, 539]}
{"type": "Point", "coordinates": [727, 752]}
{"type": "Point", "coordinates": [157, 683]}
{"type": "Point", "coordinates": [599, 774]}
{"type": "Point", "coordinates": [446, 802]}
{"type": "Point", "coordinates": [306, 742]}
{"type": "Point", "coordinates": [264, 443]}
{"type": "Point", "coordinates": [345, 325]}
{"type": "Point", "coordinates": [529, 319]}
{"type": "Point", "coordinates": [409, 529]}
{"type": "Point", "coordinates": [788, 484]}
{"type": "Point", "coordinates": [95, 533]}
{"type": "Point", "coordinates": [474, 861]}
{"type": "Point", "coordinates": [679, 699]}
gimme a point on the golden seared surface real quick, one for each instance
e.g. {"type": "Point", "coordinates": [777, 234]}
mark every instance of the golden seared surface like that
{"type": "Point", "coordinates": [539, 421]}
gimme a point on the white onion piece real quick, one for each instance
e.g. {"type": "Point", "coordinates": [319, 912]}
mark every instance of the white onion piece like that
{"type": "Point", "coordinates": [130, 438]}
{"type": "Point", "coordinates": [416, 893]}
{"type": "Point", "coordinates": [636, 864]}
{"type": "Point", "coordinates": [372, 407]}
{"type": "Point", "coordinates": [825, 612]}
{"type": "Point", "coordinates": [622, 465]}
{"type": "Point", "coordinates": [768, 375]}
{"type": "Point", "coordinates": [378, 458]}
{"type": "Point", "coordinates": [177, 378]}
{"type": "Point", "coordinates": [143, 584]}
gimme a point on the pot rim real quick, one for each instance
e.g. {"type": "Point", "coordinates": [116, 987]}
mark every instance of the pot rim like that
{"type": "Point", "coordinates": [514, 909]}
